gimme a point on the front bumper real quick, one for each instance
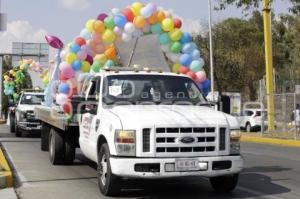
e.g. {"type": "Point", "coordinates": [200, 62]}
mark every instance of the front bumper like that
{"type": "Point", "coordinates": [125, 167]}
{"type": "Point", "coordinates": [30, 126]}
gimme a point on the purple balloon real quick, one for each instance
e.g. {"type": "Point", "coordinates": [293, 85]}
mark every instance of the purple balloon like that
{"type": "Point", "coordinates": [54, 42]}
{"type": "Point", "coordinates": [90, 59]}
{"type": "Point", "coordinates": [102, 16]}
{"type": "Point", "coordinates": [152, 7]}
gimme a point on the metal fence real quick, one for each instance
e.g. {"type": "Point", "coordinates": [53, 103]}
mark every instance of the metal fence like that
{"type": "Point", "coordinates": [287, 119]}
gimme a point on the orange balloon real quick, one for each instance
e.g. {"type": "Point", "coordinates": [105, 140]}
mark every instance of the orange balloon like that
{"type": "Point", "coordinates": [153, 18]}
{"type": "Point", "coordinates": [99, 26]}
{"type": "Point", "coordinates": [161, 16]}
{"type": "Point", "coordinates": [139, 22]}
{"type": "Point", "coordinates": [110, 53]}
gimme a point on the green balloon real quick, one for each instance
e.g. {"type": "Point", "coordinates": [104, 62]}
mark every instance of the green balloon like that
{"type": "Point", "coordinates": [109, 22]}
{"type": "Point", "coordinates": [175, 47]}
{"type": "Point", "coordinates": [96, 66]}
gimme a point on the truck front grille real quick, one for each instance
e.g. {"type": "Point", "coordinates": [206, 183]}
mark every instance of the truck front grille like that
{"type": "Point", "coordinates": [222, 141]}
{"type": "Point", "coordinates": [202, 141]}
{"type": "Point", "coordinates": [146, 140]}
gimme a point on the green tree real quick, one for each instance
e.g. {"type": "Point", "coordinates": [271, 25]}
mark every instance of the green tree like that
{"type": "Point", "coordinates": [248, 4]}
{"type": "Point", "coordinates": [238, 54]}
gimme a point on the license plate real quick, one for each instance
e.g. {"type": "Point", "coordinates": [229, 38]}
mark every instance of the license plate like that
{"type": "Point", "coordinates": [186, 165]}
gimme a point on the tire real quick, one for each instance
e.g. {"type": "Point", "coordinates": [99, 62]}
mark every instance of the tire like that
{"type": "Point", "coordinates": [70, 149]}
{"type": "Point", "coordinates": [45, 137]}
{"type": "Point", "coordinates": [12, 123]}
{"type": "Point", "coordinates": [109, 184]}
{"type": "Point", "coordinates": [18, 132]}
{"type": "Point", "coordinates": [56, 147]}
{"type": "Point", "coordinates": [224, 184]}
{"type": "Point", "coordinates": [248, 127]}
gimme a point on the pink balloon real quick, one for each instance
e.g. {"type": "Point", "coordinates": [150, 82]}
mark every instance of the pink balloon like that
{"type": "Point", "coordinates": [68, 72]}
{"type": "Point", "coordinates": [102, 16]}
{"type": "Point", "coordinates": [64, 65]}
{"type": "Point", "coordinates": [96, 37]}
{"type": "Point", "coordinates": [87, 49]}
{"type": "Point", "coordinates": [99, 49]}
{"type": "Point", "coordinates": [201, 76]}
{"type": "Point", "coordinates": [81, 55]}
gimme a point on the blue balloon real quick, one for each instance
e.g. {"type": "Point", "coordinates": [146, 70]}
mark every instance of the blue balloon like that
{"type": "Point", "coordinates": [197, 65]}
{"type": "Point", "coordinates": [75, 48]}
{"type": "Point", "coordinates": [189, 48]}
{"type": "Point", "coordinates": [87, 35]}
{"type": "Point", "coordinates": [196, 54]}
{"type": "Point", "coordinates": [120, 21]}
{"type": "Point", "coordinates": [164, 39]}
{"type": "Point", "coordinates": [185, 38]}
{"type": "Point", "coordinates": [76, 65]}
{"type": "Point", "coordinates": [109, 63]}
{"type": "Point", "coordinates": [63, 88]}
{"type": "Point", "coordinates": [206, 84]}
{"type": "Point", "coordinates": [186, 59]}
{"type": "Point", "coordinates": [156, 28]}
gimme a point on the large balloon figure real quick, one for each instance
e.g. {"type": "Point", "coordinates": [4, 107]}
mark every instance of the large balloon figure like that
{"type": "Point", "coordinates": [94, 48]}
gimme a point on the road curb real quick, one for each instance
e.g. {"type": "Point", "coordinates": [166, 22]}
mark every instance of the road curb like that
{"type": "Point", "coordinates": [273, 141]}
{"type": "Point", "coordinates": [6, 177]}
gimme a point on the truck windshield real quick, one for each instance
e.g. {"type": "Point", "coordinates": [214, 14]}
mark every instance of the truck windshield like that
{"type": "Point", "coordinates": [32, 99]}
{"type": "Point", "coordinates": [151, 89]}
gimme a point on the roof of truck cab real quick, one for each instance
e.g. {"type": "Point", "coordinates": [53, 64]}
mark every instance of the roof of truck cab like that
{"type": "Point", "coordinates": [108, 73]}
{"type": "Point", "coordinates": [32, 93]}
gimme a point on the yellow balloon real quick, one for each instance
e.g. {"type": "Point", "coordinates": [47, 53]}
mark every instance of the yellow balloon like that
{"type": "Point", "coordinates": [136, 8]}
{"type": "Point", "coordinates": [108, 36]}
{"type": "Point", "coordinates": [175, 34]}
{"type": "Point", "coordinates": [22, 67]}
{"type": "Point", "coordinates": [139, 22]}
{"type": "Point", "coordinates": [90, 25]}
{"type": "Point", "coordinates": [85, 67]}
{"type": "Point", "coordinates": [71, 57]}
{"type": "Point", "coordinates": [11, 72]}
{"type": "Point", "coordinates": [46, 80]}
{"type": "Point", "coordinates": [98, 26]}
{"type": "Point", "coordinates": [6, 77]}
{"type": "Point", "coordinates": [101, 58]}
{"type": "Point", "coordinates": [175, 68]}
{"type": "Point", "coordinates": [167, 24]}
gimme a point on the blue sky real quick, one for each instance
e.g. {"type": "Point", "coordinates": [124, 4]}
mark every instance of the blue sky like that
{"type": "Point", "coordinates": [65, 18]}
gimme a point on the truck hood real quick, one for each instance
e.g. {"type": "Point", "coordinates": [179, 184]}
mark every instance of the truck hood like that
{"type": "Point", "coordinates": [140, 116]}
{"type": "Point", "coordinates": [25, 107]}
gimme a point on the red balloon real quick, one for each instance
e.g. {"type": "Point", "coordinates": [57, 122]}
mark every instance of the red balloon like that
{"type": "Point", "coordinates": [62, 77]}
{"type": "Point", "coordinates": [177, 23]}
{"type": "Point", "coordinates": [67, 108]}
{"type": "Point", "coordinates": [128, 14]}
{"type": "Point", "coordinates": [183, 69]}
{"type": "Point", "coordinates": [192, 75]}
{"type": "Point", "coordinates": [80, 41]}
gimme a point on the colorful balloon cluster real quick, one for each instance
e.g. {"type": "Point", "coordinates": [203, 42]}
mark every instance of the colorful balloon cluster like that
{"type": "Point", "coordinates": [94, 47]}
{"type": "Point", "coordinates": [15, 77]}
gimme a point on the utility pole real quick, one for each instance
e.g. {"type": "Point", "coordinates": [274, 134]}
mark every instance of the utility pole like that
{"type": "Point", "coordinates": [211, 50]}
{"type": "Point", "coordinates": [269, 63]}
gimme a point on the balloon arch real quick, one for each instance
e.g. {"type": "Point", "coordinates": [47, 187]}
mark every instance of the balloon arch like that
{"type": "Point", "coordinates": [94, 48]}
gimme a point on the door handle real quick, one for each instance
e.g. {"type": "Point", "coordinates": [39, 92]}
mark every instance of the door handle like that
{"type": "Point", "coordinates": [97, 124]}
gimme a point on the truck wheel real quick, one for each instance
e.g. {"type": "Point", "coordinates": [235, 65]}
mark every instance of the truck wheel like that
{"type": "Point", "coordinates": [11, 123]}
{"type": "Point", "coordinates": [18, 132]}
{"type": "Point", "coordinates": [248, 127]}
{"type": "Point", "coordinates": [109, 184]}
{"type": "Point", "coordinates": [45, 137]}
{"type": "Point", "coordinates": [224, 184]}
{"type": "Point", "coordinates": [70, 149]}
{"type": "Point", "coordinates": [56, 147]}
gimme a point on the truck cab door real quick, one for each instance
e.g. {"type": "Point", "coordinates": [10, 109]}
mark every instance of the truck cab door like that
{"type": "Point", "coordinates": [89, 118]}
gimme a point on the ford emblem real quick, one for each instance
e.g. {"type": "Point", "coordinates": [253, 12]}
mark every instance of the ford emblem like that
{"type": "Point", "coordinates": [187, 140]}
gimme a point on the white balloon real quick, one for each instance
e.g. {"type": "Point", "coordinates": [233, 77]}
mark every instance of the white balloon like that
{"type": "Point", "coordinates": [126, 37]}
{"type": "Point", "coordinates": [146, 12]}
{"type": "Point", "coordinates": [63, 54]}
{"type": "Point", "coordinates": [118, 30]}
{"type": "Point", "coordinates": [129, 28]}
{"type": "Point", "coordinates": [116, 11]}
{"type": "Point", "coordinates": [61, 99]}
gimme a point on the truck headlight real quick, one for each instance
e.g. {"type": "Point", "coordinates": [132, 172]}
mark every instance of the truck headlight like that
{"type": "Point", "coordinates": [235, 136]}
{"type": "Point", "coordinates": [23, 116]}
{"type": "Point", "coordinates": [125, 142]}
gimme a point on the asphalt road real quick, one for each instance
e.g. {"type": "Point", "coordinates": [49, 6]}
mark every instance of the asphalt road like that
{"type": "Point", "coordinates": [271, 172]}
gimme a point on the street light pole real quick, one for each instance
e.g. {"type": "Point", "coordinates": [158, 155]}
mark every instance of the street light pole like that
{"type": "Point", "coordinates": [269, 63]}
{"type": "Point", "coordinates": [211, 50]}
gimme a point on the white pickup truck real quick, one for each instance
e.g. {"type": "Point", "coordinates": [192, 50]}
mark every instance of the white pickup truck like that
{"type": "Point", "coordinates": [145, 124]}
{"type": "Point", "coordinates": [21, 117]}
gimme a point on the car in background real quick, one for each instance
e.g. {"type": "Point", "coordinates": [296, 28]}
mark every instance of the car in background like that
{"type": "Point", "coordinates": [251, 119]}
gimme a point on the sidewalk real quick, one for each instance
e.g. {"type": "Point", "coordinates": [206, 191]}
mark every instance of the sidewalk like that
{"type": "Point", "coordinates": [8, 193]}
{"type": "Point", "coordinates": [256, 138]}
